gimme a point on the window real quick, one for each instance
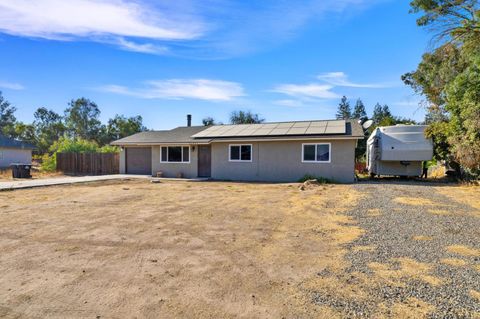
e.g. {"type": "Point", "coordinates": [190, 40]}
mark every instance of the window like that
{"type": "Point", "coordinates": [240, 153]}
{"type": "Point", "coordinates": [316, 153]}
{"type": "Point", "coordinates": [175, 154]}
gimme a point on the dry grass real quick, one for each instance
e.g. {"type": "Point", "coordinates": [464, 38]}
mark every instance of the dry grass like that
{"type": "Point", "coordinates": [463, 250]}
{"type": "Point", "coordinates": [440, 212]}
{"type": "Point", "coordinates": [416, 201]}
{"type": "Point", "coordinates": [6, 175]}
{"type": "Point", "coordinates": [402, 269]}
{"type": "Point", "coordinates": [475, 294]}
{"type": "Point", "coordinates": [453, 262]}
{"type": "Point", "coordinates": [469, 195]}
{"type": "Point", "coordinates": [422, 237]}
{"type": "Point", "coordinates": [203, 250]}
{"type": "Point", "coordinates": [411, 308]}
{"type": "Point", "coordinates": [374, 212]}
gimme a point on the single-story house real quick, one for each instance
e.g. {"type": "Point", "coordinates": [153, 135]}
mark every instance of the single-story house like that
{"type": "Point", "coordinates": [14, 151]}
{"type": "Point", "coordinates": [271, 152]}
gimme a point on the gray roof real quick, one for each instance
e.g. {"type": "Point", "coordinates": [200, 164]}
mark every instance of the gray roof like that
{"type": "Point", "coordinates": [179, 135]}
{"type": "Point", "coordinates": [12, 143]}
{"type": "Point", "coordinates": [277, 130]}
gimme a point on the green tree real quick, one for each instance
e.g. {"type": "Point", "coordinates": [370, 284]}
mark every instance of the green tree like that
{"type": "Point", "coordinates": [344, 111]}
{"type": "Point", "coordinates": [208, 121]}
{"type": "Point", "coordinates": [82, 119]}
{"type": "Point", "coordinates": [359, 110]}
{"type": "Point", "coordinates": [245, 117]}
{"type": "Point", "coordinates": [448, 77]}
{"type": "Point", "coordinates": [24, 132]}
{"type": "Point", "coordinates": [121, 126]}
{"type": "Point", "coordinates": [7, 117]}
{"type": "Point", "coordinates": [49, 127]}
{"type": "Point", "coordinates": [454, 20]}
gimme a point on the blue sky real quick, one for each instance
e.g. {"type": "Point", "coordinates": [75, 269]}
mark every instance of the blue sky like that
{"type": "Point", "coordinates": [286, 60]}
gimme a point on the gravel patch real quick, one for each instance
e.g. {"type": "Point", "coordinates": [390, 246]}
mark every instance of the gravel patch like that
{"type": "Point", "coordinates": [406, 245]}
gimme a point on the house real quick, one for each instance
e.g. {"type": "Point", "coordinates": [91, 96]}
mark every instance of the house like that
{"type": "Point", "coordinates": [14, 151]}
{"type": "Point", "coordinates": [272, 152]}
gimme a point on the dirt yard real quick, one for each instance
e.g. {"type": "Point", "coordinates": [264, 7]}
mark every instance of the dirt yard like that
{"type": "Point", "coordinates": [133, 249]}
{"type": "Point", "coordinates": [6, 175]}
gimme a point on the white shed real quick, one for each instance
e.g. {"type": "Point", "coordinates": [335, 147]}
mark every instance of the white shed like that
{"type": "Point", "coordinates": [14, 151]}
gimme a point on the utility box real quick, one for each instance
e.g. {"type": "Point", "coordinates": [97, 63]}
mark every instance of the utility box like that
{"type": "Point", "coordinates": [398, 150]}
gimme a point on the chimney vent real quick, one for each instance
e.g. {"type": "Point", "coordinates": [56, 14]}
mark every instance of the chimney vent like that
{"type": "Point", "coordinates": [189, 120]}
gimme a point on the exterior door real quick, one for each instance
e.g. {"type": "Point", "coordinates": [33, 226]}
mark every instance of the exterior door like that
{"type": "Point", "coordinates": [138, 160]}
{"type": "Point", "coordinates": [204, 161]}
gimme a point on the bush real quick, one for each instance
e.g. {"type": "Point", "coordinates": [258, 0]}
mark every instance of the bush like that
{"type": "Point", "coordinates": [319, 179]}
{"type": "Point", "coordinates": [66, 145]}
{"type": "Point", "coordinates": [109, 149]}
{"type": "Point", "coordinates": [49, 163]}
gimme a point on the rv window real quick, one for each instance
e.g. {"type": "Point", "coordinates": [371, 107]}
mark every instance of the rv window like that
{"type": "Point", "coordinates": [240, 153]}
{"type": "Point", "coordinates": [316, 153]}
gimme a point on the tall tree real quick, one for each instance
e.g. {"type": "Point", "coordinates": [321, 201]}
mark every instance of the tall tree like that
{"type": "Point", "coordinates": [121, 126]}
{"type": "Point", "coordinates": [7, 117]}
{"type": "Point", "coordinates": [449, 79]}
{"type": "Point", "coordinates": [344, 111]}
{"type": "Point", "coordinates": [208, 121]}
{"type": "Point", "coordinates": [245, 117]}
{"type": "Point", "coordinates": [82, 119]}
{"type": "Point", "coordinates": [25, 133]}
{"type": "Point", "coordinates": [359, 110]}
{"type": "Point", "coordinates": [49, 127]}
{"type": "Point", "coordinates": [454, 20]}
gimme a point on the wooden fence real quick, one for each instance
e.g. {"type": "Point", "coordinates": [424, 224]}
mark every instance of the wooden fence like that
{"type": "Point", "coordinates": [88, 163]}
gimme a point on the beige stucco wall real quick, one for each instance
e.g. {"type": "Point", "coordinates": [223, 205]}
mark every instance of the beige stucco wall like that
{"type": "Point", "coordinates": [14, 155]}
{"type": "Point", "coordinates": [189, 170]}
{"type": "Point", "coordinates": [122, 166]}
{"type": "Point", "coordinates": [282, 162]}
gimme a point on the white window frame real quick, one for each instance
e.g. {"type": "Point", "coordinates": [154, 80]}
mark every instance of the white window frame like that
{"type": "Point", "coordinates": [315, 144]}
{"type": "Point", "coordinates": [181, 162]}
{"type": "Point", "coordinates": [240, 160]}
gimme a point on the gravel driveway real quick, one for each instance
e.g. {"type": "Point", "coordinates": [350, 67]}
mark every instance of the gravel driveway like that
{"type": "Point", "coordinates": [419, 254]}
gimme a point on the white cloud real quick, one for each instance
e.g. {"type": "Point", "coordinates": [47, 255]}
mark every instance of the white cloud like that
{"type": "Point", "coordinates": [101, 20]}
{"type": "Point", "coordinates": [179, 89]}
{"type": "Point", "coordinates": [11, 86]}
{"type": "Point", "coordinates": [341, 79]}
{"type": "Point", "coordinates": [189, 28]}
{"type": "Point", "coordinates": [142, 47]}
{"type": "Point", "coordinates": [312, 90]}
{"type": "Point", "coordinates": [289, 103]}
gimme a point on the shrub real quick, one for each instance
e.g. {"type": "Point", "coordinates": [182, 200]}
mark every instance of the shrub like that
{"type": "Point", "coordinates": [109, 149]}
{"type": "Point", "coordinates": [66, 145]}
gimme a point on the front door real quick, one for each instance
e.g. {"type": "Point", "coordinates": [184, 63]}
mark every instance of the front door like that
{"type": "Point", "coordinates": [204, 161]}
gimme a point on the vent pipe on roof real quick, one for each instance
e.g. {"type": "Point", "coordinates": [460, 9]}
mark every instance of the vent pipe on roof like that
{"type": "Point", "coordinates": [189, 120]}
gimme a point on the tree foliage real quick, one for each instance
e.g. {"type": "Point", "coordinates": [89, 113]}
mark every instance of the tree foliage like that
{"type": "Point", "coordinates": [7, 117]}
{"type": "Point", "coordinates": [245, 117]}
{"type": "Point", "coordinates": [359, 110]}
{"type": "Point", "coordinates": [449, 78]}
{"type": "Point", "coordinates": [49, 127]}
{"type": "Point", "coordinates": [82, 119]}
{"type": "Point", "coordinates": [208, 121]}
{"type": "Point", "coordinates": [121, 126]}
{"type": "Point", "coordinates": [344, 111]}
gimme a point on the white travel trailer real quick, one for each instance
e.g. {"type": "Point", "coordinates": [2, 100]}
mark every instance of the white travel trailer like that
{"type": "Point", "coordinates": [398, 150]}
